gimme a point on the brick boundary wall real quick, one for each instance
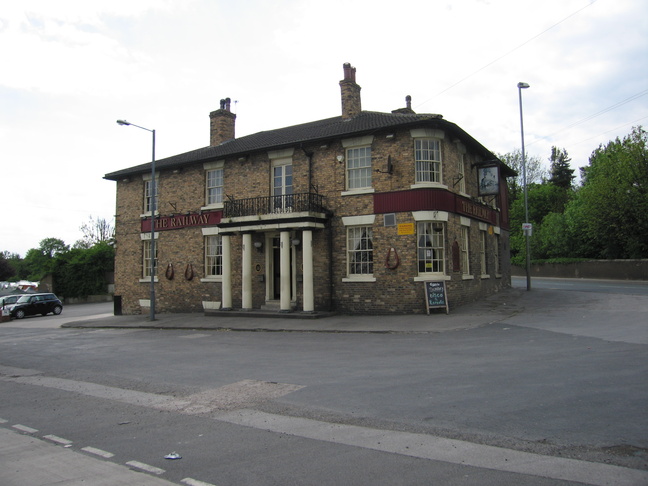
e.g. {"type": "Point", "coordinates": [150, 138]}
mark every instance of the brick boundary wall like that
{"type": "Point", "coordinates": [601, 269]}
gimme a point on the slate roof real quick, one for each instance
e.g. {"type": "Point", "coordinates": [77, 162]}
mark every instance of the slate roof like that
{"type": "Point", "coordinates": [317, 131]}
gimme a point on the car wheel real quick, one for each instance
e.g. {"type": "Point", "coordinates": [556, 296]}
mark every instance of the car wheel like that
{"type": "Point", "coordinates": [20, 314]}
{"type": "Point", "coordinates": [57, 310]}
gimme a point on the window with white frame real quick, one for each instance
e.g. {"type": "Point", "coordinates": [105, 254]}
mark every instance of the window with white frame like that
{"type": "Point", "coordinates": [482, 252]}
{"type": "Point", "coordinates": [146, 258]}
{"type": "Point", "coordinates": [282, 185]}
{"type": "Point", "coordinates": [461, 173]}
{"type": "Point", "coordinates": [464, 248]}
{"type": "Point", "coordinates": [213, 256]}
{"type": "Point", "coordinates": [496, 254]}
{"type": "Point", "coordinates": [148, 192]}
{"type": "Point", "coordinates": [427, 153]}
{"type": "Point", "coordinates": [431, 247]}
{"type": "Point", "coordinates": [358, 167]}
{"type": "Point", "coordinates": [214, 186]}
{"type": "Point", "coordinates": [360, 251]}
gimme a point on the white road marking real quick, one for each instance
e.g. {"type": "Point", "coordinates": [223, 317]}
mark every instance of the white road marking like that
{"type": "Point", "coordinates": [146, 467]}
{"type": "Point", "coordinates": [58, 440]}
{"type": "Point", "coordinates": [194, 482]}
{"type": "Point", "coordinates": [442, 449]}
{"type": "Point", "coordinates": [194, 336]}
{"type": "Point", "coordinates": [3, 421]}
{"type": "Point", "coordinates": [98, 452]}
{"type": "Point", "coordinates": [24, 428]}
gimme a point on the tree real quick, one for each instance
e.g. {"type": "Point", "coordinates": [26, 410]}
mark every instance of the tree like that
{"type": "Point", "coordinates": [561, 173]}
{"type": "Point", "coordinates": [610, 210]}
{"type": "Point", "coordinates": [6, 269]}
{"type": "Point", "coordinates": [81, 272]}
{"type": "Point", "coordinates": [39, 261]}
{"type": "Point", "coordinates": [50, 247]}
{"type": "Point", "coordinates": [95, 231]}
{"type": "Point", "coordinates": [535, 172]}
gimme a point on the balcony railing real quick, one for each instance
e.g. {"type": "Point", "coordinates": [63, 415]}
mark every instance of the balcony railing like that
{"type": "Point", "coordinates": [291, 203]}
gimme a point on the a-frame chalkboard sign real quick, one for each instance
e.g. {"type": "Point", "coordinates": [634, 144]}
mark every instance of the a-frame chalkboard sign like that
{"type": "Point", "coordinates": [436, 296]}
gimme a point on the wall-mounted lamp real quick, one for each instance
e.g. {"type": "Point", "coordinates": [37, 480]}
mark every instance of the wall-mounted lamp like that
{"type": "Point", "coordinates": [258, 245]}
{"type": "Point", "coordinates": [390, 136]}
{"type": "Point", "coordinates": [340, 158]}
{"type": "Point", "coordinates": [295, 241]}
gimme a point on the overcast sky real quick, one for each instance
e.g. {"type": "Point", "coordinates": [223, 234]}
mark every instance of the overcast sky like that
{"type": "Point", "coordinates": [69, 69]}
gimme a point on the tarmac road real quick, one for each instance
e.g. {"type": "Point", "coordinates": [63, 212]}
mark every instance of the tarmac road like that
{"type": "Point", "coordinates": [541, 387]}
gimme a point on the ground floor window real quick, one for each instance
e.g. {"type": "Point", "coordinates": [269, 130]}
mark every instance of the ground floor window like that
{"type": "Point", "coordinates": [146, 258]}
{"type": "Point", "coordinates": [464, 247]}
{"type": "Point", "coordinates": [431, 247]}
{"type": "Point", "coordinates": [482, 252]}
{"type": "Point", "coordinates": [360, 251]}
{"type": "Point", "coordinates": [213, 256]}
{"type": "Point", "coordinates": [496, 253]}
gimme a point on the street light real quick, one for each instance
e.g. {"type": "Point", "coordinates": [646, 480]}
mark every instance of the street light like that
{"type": "Point", "coordinates": [527, 227]}
{"type": "Point", "coordinates": [153, 197]}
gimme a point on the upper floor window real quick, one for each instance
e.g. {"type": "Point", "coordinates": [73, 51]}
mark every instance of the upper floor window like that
{"type": "Point", "coordinates": [214, 190]}
{"type": "Point", "coordinates": [282, 186]}
{"type": "Point", "coordinates": [214, 186]}
{"type": "Point", "coordinates": [358, 168]}
{"type": "Point", "coordinates": [461, 173]}
{"type": "Point", "coordinates": [150, 202]}
{"type": "Point", "coordinates": [427, 153]}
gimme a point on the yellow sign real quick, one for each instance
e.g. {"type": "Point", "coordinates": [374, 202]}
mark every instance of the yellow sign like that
{"type": "Point", "coordinates": [406, 229]}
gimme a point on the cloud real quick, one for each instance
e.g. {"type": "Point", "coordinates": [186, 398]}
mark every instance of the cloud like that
{"type": "Point", "coordinates": [71, 68]}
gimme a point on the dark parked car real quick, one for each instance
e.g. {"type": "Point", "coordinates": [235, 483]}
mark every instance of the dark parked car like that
{"type": "Point", "coordinates": [30, 305]}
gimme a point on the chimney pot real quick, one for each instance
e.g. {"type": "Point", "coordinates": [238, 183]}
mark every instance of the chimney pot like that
{"type": "Point", "coordinates": [221, 123]}
{"type": "Point", "coordinates": [351, 103]}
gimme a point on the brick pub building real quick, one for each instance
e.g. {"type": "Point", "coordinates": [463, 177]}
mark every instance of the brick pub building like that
{"type": "Point", "coordinates": [349, 214]}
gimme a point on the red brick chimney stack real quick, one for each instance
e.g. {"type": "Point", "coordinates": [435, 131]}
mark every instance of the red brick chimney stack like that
{"type": "Point", "coordinates": [351, 105]}
{"type": "Point", "coordinates": [221, 124]}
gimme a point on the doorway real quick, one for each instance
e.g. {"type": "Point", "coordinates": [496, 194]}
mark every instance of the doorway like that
{"type": "Point", "coordinates": [273, 264]}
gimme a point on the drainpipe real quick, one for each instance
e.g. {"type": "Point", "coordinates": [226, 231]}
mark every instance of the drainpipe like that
{"type": "Point", "coordinates": [330, 256]}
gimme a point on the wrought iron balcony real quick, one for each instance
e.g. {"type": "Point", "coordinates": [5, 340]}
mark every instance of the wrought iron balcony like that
{"type": "Point", "coordinates": [307, 202]}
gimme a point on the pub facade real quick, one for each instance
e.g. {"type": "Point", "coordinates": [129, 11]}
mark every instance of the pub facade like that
{"type": "Point", "coordinates": [351, 214]}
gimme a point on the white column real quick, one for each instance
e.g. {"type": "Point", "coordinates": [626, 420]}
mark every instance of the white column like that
{"type": "Point", "coordinates": [226, 284]}
{"type": "Point", "coordinates": [307, 254]}
{"type": "Point", "coordinates": [284, 252]}
{"type": "Point", "coordinates": [247, 271]}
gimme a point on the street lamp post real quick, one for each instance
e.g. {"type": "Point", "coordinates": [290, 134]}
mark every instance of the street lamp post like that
{"type": "Point", "coordinates": [153, 197]}
{"type": "Point", "coordinates": [527, 229]}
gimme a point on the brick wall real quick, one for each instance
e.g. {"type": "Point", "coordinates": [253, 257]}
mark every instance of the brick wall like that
{"type": "Point", "coordinates": [394, 290]}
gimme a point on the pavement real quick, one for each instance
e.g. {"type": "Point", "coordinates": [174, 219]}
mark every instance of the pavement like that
{"type": "Point", "coordinates": [495, 308]}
